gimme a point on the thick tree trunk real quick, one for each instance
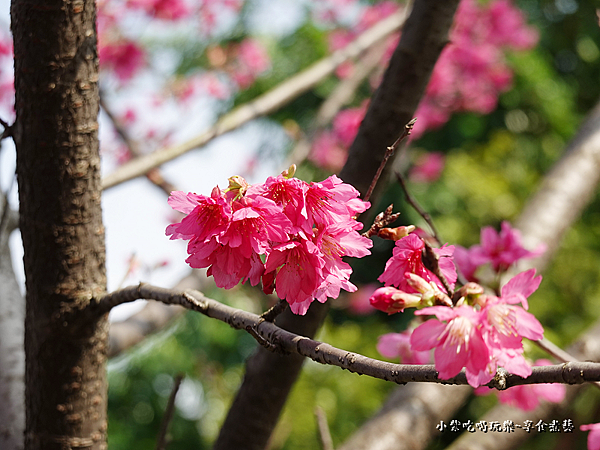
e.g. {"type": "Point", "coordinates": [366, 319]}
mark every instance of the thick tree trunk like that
{"type": "Point", "coordinates": [58, 169]}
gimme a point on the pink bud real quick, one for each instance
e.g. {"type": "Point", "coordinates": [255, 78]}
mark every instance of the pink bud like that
{"type": "Point", "coordinates": [391, 300]}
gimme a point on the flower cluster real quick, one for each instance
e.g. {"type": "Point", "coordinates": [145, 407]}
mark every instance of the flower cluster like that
{"type": "Point", "coordinates": [477, 331]}
{"type": "Point", "coordinates": [287, 233]}
{"type": "Point", "coordinates": [470, 74]}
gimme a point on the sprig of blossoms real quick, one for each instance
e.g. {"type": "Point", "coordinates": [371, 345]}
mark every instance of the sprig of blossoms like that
{"type": "Point", "coordinates": [286, 233]}
{"type": "Point", "coordinates": [472, 330]}
{"type": "Point", "coordinates": [482, 332]}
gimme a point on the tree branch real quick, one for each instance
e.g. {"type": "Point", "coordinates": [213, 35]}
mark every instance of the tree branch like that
{"type": "Point", "coordinates": [286, 342]}
{"type": "Point", "coordinates": [263, 105]}
{"type": "Point", "coordinates": [153, 175]}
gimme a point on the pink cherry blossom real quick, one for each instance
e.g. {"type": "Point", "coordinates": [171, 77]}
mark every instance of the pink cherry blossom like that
{"type": "Point", "coordinates": [347, 122]}
{"type": "Point", "coordinates": [458, 341]}
{"type": "Point", "coordinates": [407, 258]}
{"type": "Point", "coordinates": [501, 250]}
{"type": "Point", "coordinates": [206, 216]}
{"type": "Point", "coordinates": [593, 440]}
{"type": "Point", "coordinates": [299, 272]}
{"type": "Point", "coordinates": [358, 301]}
{"type": "Point", "coordinates": [162, 9]}
{"type": "Point", "coordinates": [301, 231]}
{"type": "Point", "coordinates": [397, 345]}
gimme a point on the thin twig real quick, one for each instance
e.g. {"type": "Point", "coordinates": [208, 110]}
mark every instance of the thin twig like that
{"type": "Point", "coordinates": [382, 220]}
{"type": "Point", "coordinates": [389, 152]}
{"type": "Point", "coordinates": [161, 440]}
{"type": "Point", "coordinates": [265, 104]}
{"type": "Point", "coordinates": [324, 433]}
{"type": "Point", "coordinates": [424, 214]}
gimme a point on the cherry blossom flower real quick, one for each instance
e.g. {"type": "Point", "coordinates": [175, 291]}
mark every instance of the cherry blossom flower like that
{"type": "Point", "coordinates": [397, 345]}
{"type": "Point", "coordinates": [593, 440]}
{"type": "Point", "coordinates": [299, 273]}
{"type": "Point", "coordinates": [162, 9]}
{"type": "Point", "coordinates": [500, 250]}
{"type": "Point", "coordinates": [458, 341]}
{"type": "Point", "coordinates": [428, 168]}
{"type": "Point", "coordinates": [328, 152]}
{"type": "Point", "coordinates": [407, 258]}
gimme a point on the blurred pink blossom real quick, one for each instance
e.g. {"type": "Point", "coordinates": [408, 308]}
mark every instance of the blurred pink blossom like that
{"type": "Point", "coordinates": [593, 441]}
{"type": "Point", "coordinates": [252, 60]}
{"type": "Point", "coordinates": [428, 168]}
{"type": "Point", "coordinates": [124, 57]}
{"type": "Point", "coordinates": [527, 397]}
{"type": "Point", "coordinates": [162, 9]}
{"type": "Point", "coordinates": [501, 250]}
{"type": "Point", "coordinates": [397, 345]}
{"type": "Point", "coordinates": [327, 152]}
{"type": "Point", "coordinates": [358, 301]}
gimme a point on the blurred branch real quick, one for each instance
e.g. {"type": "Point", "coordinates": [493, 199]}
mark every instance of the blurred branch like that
{"type": "Point", "coordinates": [265, 104]}
{"type": "Point", "coordinates": [161, 441]}
{"type": "Point", "coordinates": [412, 202]}
{"type": "Point", "coordinates": [285, 342]}
{"type": "Point", "coordinates": [151, 319]}
{"type": "Point", "coordinates": [324, 433]}
{"type": "Point", "coordinates": [154, 175]}
{"type": "Point", "coordinates": [342, 94]}
{"type": "Point", "coordinates": [563, 194]}
{"type": "Point", "coordinates": [407, 419]}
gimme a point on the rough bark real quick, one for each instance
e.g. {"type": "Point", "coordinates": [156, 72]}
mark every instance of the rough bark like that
{"type": "Point", "coordinates": [250, 420]}
{"type": "Point", "coordinates": [58, 170]}
{"type": "Point", "coordinates": [12, 352]}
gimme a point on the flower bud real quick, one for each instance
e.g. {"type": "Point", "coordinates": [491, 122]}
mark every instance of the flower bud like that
{"type": "Point", "coordinates": [391, 300]}
{"type": "Point", "coordinates": [469, 293]}
{"type": "Point", "coordinates": [289, 173]}
{"type": "Point", "coordinates": [237, 186]}
{"type": "Point", "coordinates": [397, 233]}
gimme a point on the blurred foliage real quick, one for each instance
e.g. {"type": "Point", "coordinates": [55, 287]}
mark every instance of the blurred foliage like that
{"type": "Point", "coordinates": [493, 164]}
